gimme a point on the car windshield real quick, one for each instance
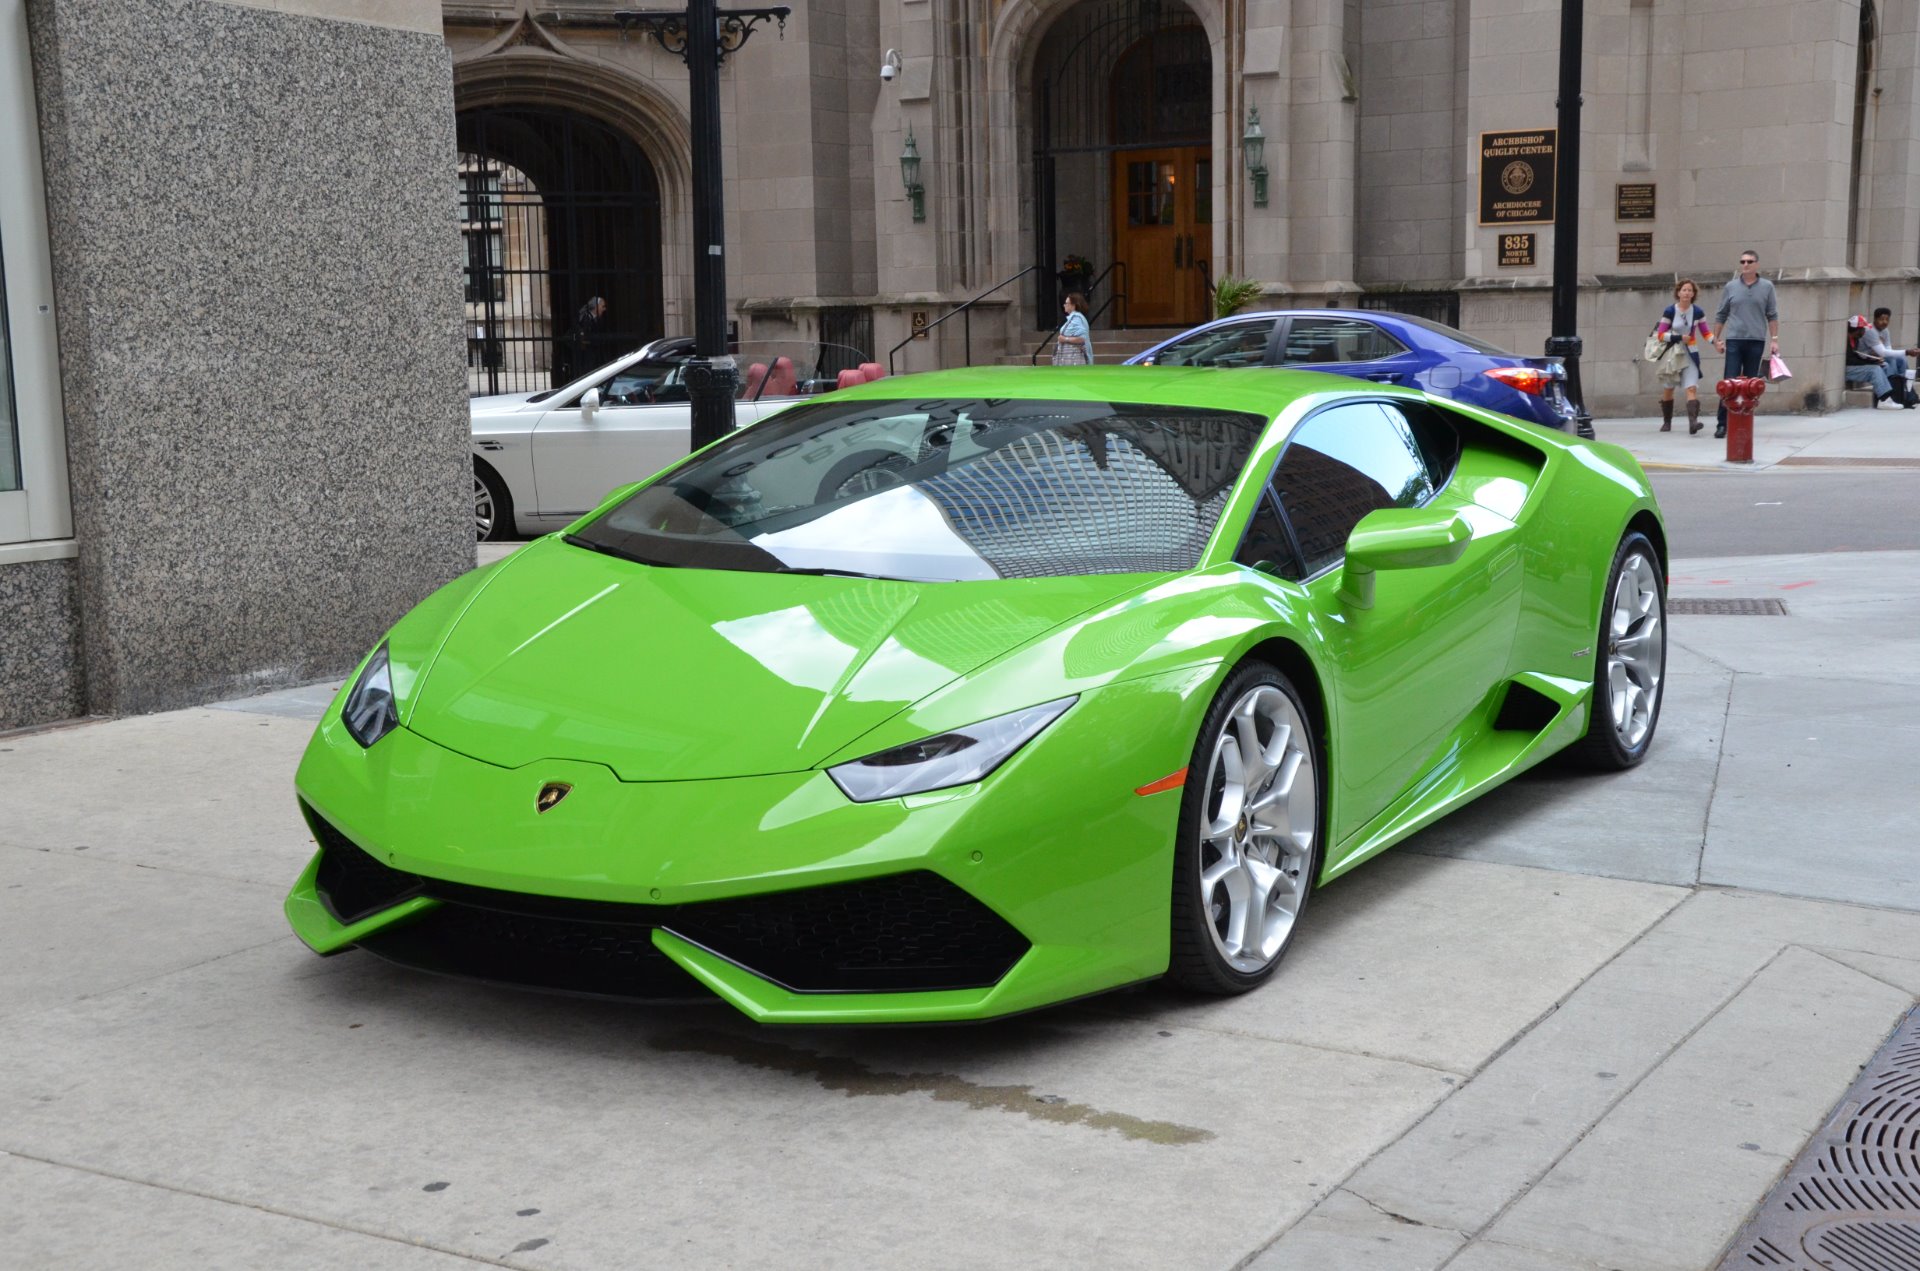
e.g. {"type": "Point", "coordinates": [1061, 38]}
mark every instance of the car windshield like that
{"type": "Point", "coordinates": [1473, 342]}
{"type": "Point", "coordinates": [945, 490]}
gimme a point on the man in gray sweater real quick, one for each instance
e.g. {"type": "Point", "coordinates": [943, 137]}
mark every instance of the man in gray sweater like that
{"type": "Point", "coordinates": [1748, 323]}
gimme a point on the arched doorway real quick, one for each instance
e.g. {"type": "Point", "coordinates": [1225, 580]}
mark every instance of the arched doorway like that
{"type": "Point", "coordinates": [1123, 165]}
{"type": "Point", "coordinates": [558, 209]}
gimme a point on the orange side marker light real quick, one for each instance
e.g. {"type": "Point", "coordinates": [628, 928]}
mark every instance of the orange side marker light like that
{"type": "Point", "coordinates": [1172, 781]}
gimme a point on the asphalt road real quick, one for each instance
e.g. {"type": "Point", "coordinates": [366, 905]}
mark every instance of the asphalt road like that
{"type": "Point", "coordinates": [1782, 511]}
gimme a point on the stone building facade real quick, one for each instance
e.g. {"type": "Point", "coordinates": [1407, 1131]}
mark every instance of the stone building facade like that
{"type": "Point", "coordinates": [230, 389]}
{"type": "Point", "coordinates": [1113, 130]}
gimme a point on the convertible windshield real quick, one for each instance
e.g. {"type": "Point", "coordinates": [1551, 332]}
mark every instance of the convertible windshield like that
{"type": "Point", "coordinates": [944, 490]}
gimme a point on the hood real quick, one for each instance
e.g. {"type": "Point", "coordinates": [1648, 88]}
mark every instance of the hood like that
{"type": "Point", "coordinates": [682, 674]}
{"type": "Point", "coordinates": [498, 402]}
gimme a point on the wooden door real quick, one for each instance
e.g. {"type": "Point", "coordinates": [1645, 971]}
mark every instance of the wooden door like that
{"type": "Point", "coordinates": [1162, 230]}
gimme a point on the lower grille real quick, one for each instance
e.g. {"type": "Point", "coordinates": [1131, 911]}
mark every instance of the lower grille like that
{"type": "Point", "coordinates": [352, 883]}
{"type": "Point", "coordinates": [905, 932]}
{"type": "Point", "coordinates": [913, 932]}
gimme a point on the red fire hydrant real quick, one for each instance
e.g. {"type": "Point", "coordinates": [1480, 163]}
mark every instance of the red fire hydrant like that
{"type": "Point", "coordinates": [1740, 394]}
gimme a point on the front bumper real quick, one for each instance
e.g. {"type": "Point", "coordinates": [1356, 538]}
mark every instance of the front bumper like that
{"type": "Point", "coordinates": [1047, 881]}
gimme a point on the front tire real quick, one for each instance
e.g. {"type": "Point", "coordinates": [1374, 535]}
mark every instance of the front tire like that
{"type": "Point", "coordinates": [1630, 661]}
{"type": "Point", "coordinates": [1249, 835]}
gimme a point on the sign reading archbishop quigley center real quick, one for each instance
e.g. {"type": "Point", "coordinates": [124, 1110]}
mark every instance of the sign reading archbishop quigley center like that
{"type": "Point", "coordinates": [1516, 177]}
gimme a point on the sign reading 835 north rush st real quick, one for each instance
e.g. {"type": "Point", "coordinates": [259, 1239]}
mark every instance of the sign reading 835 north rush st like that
{"type": "Point", "coordinates": [1517, 177]}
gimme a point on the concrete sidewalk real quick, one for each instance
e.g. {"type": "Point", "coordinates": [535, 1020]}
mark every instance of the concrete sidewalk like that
{"type": "Point", "coordinates": [1883, 436]}
{"type": "Point", "coordinates": [1584, 1023]}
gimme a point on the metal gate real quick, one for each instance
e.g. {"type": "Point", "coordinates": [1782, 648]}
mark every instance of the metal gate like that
{"type": "Point", "coordinates": [561, 220]}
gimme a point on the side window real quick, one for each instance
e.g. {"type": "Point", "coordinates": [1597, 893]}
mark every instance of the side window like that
{"type": "Point", "coordinates": [1343, 463]}
{"type": "Point", "coordinates": [1235, 344]}
{"type": "Point", "coordinates": [1312, 340]}
{"type": "Point", "coordinates": [1435, 435]}
{"type": "Point", "coordinates": [1267, 546]}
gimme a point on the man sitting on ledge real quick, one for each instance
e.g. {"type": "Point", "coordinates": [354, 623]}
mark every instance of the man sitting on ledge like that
{"type": "Point", "coordinates": [1870, 369]}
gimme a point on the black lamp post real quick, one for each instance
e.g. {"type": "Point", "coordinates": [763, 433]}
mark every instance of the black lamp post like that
{"type": "Point", "coordinates": [703, 34]}
{"type": "Point", "coordinates": [1564, 343]}
{"type": "Point", "coordinates": [910, 176]}
{"type": "Point", "coordinates": [1253, 145]}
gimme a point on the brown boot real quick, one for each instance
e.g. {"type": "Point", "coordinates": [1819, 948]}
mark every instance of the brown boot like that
{"type": "Point", "coordinates": [1666, 415]}
{"type": "Point", "coordinates": [1693, 418]}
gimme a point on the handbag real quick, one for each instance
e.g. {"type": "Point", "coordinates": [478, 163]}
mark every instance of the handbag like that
{"type": "Point", "coordinates": [1069, 355]}
{"type": "Point", "coordinates": [1657, 345]}
{"type": "Point", "coordinates": [1777, 368]}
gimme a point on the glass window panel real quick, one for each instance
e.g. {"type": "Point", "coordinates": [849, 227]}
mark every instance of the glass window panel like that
{"type": "Point", "coordinates": [1267, 546]}
{"type": "Point", "coordinates": [1235, 344]}
{"type": "Point", "coordinates": [9, 429]}
{"type": "Point", "coordinates": [1311, 340]}
{"type": "Point", "coordinates": [1164, 193]}
{"type": "Point", "coordinates": [1203, 192]}
{"type": "Point", "coordinates": [1342, 464]}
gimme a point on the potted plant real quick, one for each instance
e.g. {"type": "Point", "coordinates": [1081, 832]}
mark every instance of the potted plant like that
{"type": "Point", "coordinates": [1075, 270]}
{"type": "Point", "coordinates": [1231, 294]}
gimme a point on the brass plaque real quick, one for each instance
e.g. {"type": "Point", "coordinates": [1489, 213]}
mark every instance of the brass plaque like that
{"type": "Point", "coordinates": [1518, 250]}
{"type": "Point", "coordinates": [1633, 202]}
{"type": "Point", "coordinates": [1636, 249]}
{"type": "Point", "coordinates": [1517, 177]}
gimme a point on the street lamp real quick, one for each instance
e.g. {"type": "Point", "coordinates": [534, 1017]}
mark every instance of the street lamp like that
{"type": "Point", "coordinates": [910, 176]}
{"type": "Point", "coordinates": [1253, 143]}
{"type": "Point", "coordinates": [703, 35]}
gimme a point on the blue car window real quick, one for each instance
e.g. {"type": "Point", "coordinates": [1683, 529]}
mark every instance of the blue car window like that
{"type": "Point", "coordinates": [1312, 341]}
{"type": "Point", "coordinates": [1231, 344]}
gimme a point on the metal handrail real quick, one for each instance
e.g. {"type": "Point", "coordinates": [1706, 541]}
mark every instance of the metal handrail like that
{"type": "Point", "coordinates": [1093, 317]}
{"type": "Point", "coordinates": [966, 309]}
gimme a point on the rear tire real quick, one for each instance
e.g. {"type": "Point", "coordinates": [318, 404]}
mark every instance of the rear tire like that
{"type": "Point", "coordinates": [863, 472]}
{"type": "Point", "coordinates": [492, 505]}
{"type": "Point", "coordinates": [1249, 837]}
{"type": "Point", "coordinates": [1629, 661]}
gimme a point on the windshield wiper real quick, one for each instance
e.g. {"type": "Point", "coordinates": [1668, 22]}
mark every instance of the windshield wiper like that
{"type": "Point", "coordinates": [607, 549]}
{"type": "Point", "coordinates": [834, 573]}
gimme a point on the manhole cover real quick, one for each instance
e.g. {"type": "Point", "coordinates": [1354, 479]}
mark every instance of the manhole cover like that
{"type": "Point", "coordinates": [1852, 1200]}
{"type": "Point", "coordinates": [1734, 606]}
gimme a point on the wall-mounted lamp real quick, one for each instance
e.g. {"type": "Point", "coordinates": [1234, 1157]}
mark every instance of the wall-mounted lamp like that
{"type": "Point", "coordinates": [910, 177]}
{"type": "Point", "coordinates": [1253, 142]}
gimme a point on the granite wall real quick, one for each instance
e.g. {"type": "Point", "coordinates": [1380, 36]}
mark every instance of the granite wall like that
{"type": "Point", "coordinates": [257, 278]}
{"type": "Point", "coordinates": [39, 643]}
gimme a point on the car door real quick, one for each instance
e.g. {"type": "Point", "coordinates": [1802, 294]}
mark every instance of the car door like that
{"type": "Point", "coordinates": [1347, 346]}
{"type": "Point", "coordinates": [1418, 663]}
{"type": "Point", "coordinates": [580, 454]}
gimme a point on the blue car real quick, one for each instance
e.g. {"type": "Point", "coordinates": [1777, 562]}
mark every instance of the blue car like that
{"type": "Point", "coordinates": [1392, 348]}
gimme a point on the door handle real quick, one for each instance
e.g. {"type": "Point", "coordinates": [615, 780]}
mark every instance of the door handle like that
{"type": "Point", "coordinates": [1386, 377]}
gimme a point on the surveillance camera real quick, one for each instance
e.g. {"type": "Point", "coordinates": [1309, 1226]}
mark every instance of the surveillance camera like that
{"type": "Point", "coordinates": [887, 71]}
{"type": "Point", "coordinates": [889, 66]}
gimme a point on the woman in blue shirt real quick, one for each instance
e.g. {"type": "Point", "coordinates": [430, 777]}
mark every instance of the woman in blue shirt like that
{"type": "Point", "coordinates": [1074, 347]}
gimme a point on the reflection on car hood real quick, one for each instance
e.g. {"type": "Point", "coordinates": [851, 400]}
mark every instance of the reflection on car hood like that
{"type": "Point", "coordinates": [497, 402]}
{"type": "Point", "coordinates": [682, 674]}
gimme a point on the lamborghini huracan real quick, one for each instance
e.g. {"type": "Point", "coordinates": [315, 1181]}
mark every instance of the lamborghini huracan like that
{"type": "Point", "coordinates": [963, 694]}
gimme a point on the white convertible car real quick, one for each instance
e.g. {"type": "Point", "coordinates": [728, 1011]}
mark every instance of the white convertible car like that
{"type": "Point", "coordinates": [542, 459]}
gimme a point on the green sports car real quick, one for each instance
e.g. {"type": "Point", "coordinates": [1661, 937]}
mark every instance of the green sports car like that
{"type": "Point", "coordinates": [961, 694]}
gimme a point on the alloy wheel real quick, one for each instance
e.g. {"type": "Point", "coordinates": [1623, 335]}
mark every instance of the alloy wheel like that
{"type": "Point", "coordinates": [483, 512]}
{"type": "Point", "coordinates": [1257, 832]}
{"type": "Point", "coordinates": [1636, 651]}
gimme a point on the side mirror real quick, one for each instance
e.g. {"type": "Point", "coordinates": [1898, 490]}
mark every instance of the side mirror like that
{"type": "Point", "coordinates": [1400, 538]}
{"type": "Point", "coordinates": [589, 402]}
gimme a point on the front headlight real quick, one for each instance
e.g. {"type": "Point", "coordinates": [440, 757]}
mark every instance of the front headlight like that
{"type": "Point", "coordinates": [369, 712]}
{"type": "Point", "coordinates": [951, 759]}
